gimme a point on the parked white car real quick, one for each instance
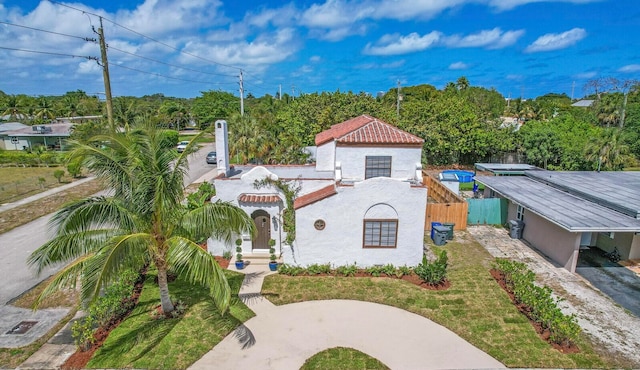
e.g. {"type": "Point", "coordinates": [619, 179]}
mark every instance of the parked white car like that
{"type": "Point", "coordinates": [182, 146]}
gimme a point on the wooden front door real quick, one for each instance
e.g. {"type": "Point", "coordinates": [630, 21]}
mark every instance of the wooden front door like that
{"type": "Point", "coordinates": [263, 225]}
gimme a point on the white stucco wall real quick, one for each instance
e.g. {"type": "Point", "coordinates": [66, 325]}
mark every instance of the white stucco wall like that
{"type": "Point", "coordinates": [340, 243]}
{"type": "Point", "coordinates": [326, 156]}
{"type": "Point", "coordinates": [403, 161]}
{"type": "Point", "coordinates": [228, 190]}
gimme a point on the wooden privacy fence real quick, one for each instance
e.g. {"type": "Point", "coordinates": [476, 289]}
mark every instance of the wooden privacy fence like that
{"type": "Point", "coordinates": [443, 205]}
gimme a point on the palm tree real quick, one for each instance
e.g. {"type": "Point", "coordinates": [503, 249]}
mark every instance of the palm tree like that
{"type": "Point", "coordinates": [44, 111]}
{"type": "Point", "coordinates": [143, 222]}
{"type": "Point", "coordinates": [608, 150]}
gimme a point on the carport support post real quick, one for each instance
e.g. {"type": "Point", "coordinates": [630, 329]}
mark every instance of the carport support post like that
{"type": "Point", "coordinates": [576, 251]}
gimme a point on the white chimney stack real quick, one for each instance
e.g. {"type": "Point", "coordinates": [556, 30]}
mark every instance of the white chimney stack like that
{"type": "Point", "coordinates": [222, 147]}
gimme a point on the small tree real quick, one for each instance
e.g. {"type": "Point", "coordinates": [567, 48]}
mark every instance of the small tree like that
{"type": "Point", "coordinates": [238, 250]}
{"type": "Point", "coordinates": [272, 250]}
{"type": "Point", "coordinates": [58, 175]}
{"type": "Point", "coordinates": [74, 168]}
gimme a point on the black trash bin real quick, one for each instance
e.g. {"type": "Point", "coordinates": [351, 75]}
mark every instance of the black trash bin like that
{"type": "Point", "coordinates": [440, 235]}
{"type": "Point", "coordinates": [515, 229]}
{"type": "Point", "coordinates": [449, 227]}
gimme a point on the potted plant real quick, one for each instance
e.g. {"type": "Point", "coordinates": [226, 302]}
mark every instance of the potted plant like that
{"type": "Point", "coordinates": [239, 261]}
{"type": "Point", "coordinates": [273, 265]}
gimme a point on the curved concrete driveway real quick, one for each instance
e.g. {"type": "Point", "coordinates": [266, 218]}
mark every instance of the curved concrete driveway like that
{"type": "Point", "coordinates": [284, 337]}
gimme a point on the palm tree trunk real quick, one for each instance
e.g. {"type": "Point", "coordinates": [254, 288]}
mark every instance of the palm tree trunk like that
{"type": "Point", "coordinates": [165, 299]}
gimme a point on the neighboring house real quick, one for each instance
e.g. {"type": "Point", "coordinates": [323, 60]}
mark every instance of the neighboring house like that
{"type": "Point", "coordinates": [584, 103]}
{"type": "Point", "coordinates": [50, 136]}
{"type": "Point", "coordinates": [362, 202]}
{"type": "Point", "coordinates": [564, 211]}
{"type": "Point", "coordinates": [8, 127]}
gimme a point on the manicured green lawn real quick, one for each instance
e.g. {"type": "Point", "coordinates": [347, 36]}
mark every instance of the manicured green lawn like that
{"type": "Point", "coordinates": [342, 358]}
{"type": "Point", "coordinates": [143, 342]}
{"type": "Point", "coordinates": [474, 307]}
{"type": "Point", "coordinates": [206, 138]}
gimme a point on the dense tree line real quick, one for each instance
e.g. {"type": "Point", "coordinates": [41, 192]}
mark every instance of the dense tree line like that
{"type": "Point", "coordinates": [460, 123]}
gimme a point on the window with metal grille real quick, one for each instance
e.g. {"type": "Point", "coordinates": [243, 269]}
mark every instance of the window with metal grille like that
{"type": "Point", "coordinates": [377, 166]}
{"type": "Point", "coordinates": [380, 233]}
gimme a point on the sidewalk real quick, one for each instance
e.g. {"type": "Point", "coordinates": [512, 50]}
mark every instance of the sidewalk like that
{"type": "Point", "coordinates": [44, 194]}
{"type": "Point", "coordinates": [284, 337]}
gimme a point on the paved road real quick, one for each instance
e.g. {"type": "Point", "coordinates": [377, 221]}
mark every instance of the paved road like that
{"type": "Point", "coordinates": [17, 244]}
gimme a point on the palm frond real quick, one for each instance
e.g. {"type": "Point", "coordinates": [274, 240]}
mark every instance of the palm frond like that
{"type": "Point", "coordinates": [67, 247]}
{"type": "Point", "coordinates": [220, 220]}
{"type": "Point", "coordinates": [64, 279]}
{"type": "Point", "coordinates": [199, 267]}
{"type": "Point", "coordinates": [93, 212]}
{"type": "Point", "coordinates": [118, 254]}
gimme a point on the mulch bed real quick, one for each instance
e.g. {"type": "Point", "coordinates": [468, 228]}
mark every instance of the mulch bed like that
{"type": "Point", "coordinates": [526, 310]}
{"type": "Point", "coordinates": [412, 278]}
{"type": "Point", "coordinates": [80, 358]}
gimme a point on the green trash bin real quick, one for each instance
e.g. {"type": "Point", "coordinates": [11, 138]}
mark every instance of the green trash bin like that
{"type": "Point", "coordinates": [449, 227]}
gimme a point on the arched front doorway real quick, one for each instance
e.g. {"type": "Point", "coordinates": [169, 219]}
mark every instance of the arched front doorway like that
{"type": "Point", "coordinates": [263, 226]}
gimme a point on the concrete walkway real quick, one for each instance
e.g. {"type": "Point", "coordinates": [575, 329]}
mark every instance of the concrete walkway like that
{"type": "Point", "coordinates": [284, 337]}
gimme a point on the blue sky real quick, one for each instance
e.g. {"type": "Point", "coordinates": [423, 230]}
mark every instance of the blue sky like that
{"type": "Point", "coordinates": [181, 48]}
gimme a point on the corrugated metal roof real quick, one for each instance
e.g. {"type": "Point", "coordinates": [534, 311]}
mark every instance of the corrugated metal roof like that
{"type": "Point", "coordinates": [505, 167]}
{"type": "Point", "coordinates": [619, 190]}
{"type": "Point", "coordinates": [568, 211]}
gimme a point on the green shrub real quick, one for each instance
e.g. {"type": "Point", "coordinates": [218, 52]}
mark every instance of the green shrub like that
{"type": "Point", "coordinates": [291, 270]}
{"type": "Point", "coordinates": [317, 269]}
{"type": "Point", "coordinates": [348, 270]}
{"type": "Point", "coordinates": [58, 174]}
{"type": "Point", "coordinates": [375, 270]}
{"type": "Point", "coordinates": [433, 272]}
{"type": "Point", "coordinates": [543, 308]}
{"type": "Point", "coordinates": [115, 302]}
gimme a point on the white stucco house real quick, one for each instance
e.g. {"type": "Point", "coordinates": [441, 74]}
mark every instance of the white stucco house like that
{"type": "Point", "coordinates": [362, 201]}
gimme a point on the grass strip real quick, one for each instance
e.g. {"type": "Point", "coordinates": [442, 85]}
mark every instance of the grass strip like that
{"type": "Point", "coordinates": [143, 342]}
{"type": "Point", "coordinates": [342, 358]}
{"type": "Point", "coordinates": [474, 307]}
{"type": "Point", "coordinates": [26, 213]}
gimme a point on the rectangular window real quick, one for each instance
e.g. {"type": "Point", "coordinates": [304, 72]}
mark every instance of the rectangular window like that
{"type": "Point", "coordinates": [520, 213]}
{"type": "Point", "coordinates": [377, 166]}
{"type": "Point", "coordinates": [380, 233]}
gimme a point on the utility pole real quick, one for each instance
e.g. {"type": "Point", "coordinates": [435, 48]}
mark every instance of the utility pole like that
{"type": "Point", "coordinates": [573, 88]}
{"type": "Point", "coordinates": [241, 95]}
{"type": "Point", "coordinates": [105, 75]}
{"type": "Point", "coordinates": [293, 92]}
{"type": "Point", "coordinates": [280, 92]}
{"type": "Point", "coordinates": [398, 100]}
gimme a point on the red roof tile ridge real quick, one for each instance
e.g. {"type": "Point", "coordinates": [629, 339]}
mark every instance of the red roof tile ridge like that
{"type": "Point", "coordinates": [314, 196]}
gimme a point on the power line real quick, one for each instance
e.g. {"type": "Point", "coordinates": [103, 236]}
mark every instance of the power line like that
{"type": "Point", "coordinates": [168, 64]}
{"type": "Point", "coordinates": [54, 33]}
{"type": "Point", "coordinates": [50, 53]}
{"type": "Point", "coordinates": [147, 37]}
{"type": "Point", "coordinates": [169, 77]}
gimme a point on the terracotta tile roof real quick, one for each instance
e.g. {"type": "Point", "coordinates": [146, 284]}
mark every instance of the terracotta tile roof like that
{"type": "Point", "coordinates": [367, 130]}
{"type": "Point", "coordinates": [259, 198]}
{"type": "Point", "coordinates": [315, 196]}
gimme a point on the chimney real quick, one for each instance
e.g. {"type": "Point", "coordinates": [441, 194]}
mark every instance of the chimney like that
{"type": "Point", "coordinates": [222, 147]}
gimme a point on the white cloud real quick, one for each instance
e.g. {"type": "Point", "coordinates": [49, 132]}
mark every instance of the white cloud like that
{"type": "Point", "coordinates": [89, 67]}
{"type": "Point", "coordinates": [556, 41]}
{"type": "Point", "coordinates": [491, 39]}
{"type": "Point", "coordinates": [396, 44]}
{"type": "Point", "coordinates": [514, 77]}
{"type": "Point", "coordinates": [586, 75]}
{"type": "Point", "coordinates": [268, 48]}
{"type": "Point", "coordinates": [161, 17]}
{"type": "Point", "coordinates": [458, 66]}
{"type": "Point", "coordinates": [502, 5]}
{"type": "Point", "coordinates": [630, 68]}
